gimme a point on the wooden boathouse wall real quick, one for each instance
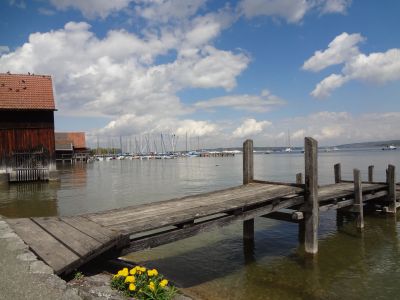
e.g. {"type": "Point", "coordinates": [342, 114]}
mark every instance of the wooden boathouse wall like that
{"type": "Point", "coordinates": [26, 122]}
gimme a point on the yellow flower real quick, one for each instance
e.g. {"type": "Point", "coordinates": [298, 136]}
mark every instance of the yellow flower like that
{"type": "Point", "coordinates": [151, 286]}
{"type": "Point", "coordinates": [153, 272]}
{"type": "Point", "coordinates": [163, 282]}
{"type": "Point", "coordinates": [132, 271]}
{"type": "Point", "coordinates": [143, 269]}
{"type": "Point", "coordinates": [132, 287]}
{"type": "Point", "coordinates": [124, 272]}
{"type": "Point", "coordinates": [130, 279]}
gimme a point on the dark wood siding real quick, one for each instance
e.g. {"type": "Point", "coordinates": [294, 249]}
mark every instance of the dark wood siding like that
{"type": "Point", "coordinates": [25, 130]}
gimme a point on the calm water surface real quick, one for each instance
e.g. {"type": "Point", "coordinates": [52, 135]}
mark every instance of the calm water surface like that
{"type": "Point", "coordinates": [215, 265]}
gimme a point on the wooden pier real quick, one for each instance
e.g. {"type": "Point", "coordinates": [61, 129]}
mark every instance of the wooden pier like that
{"type": "Point", "coordinates": [66, 243]}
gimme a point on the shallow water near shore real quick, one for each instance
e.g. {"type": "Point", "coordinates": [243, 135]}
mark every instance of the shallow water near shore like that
{"type": "Point", "coordinates": [216, 264]}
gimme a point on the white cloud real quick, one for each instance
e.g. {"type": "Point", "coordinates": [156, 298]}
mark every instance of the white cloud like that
{"type": "Point", "coordinates": [164, 11]}
{"type": "Point", "coordinates": [335, 6]}
{"type": "Point", "coordinates": [378, 68]}
{"type": "Point", "coordinates": [333, 128]}
{"type": "Point", "coordinates": [293, 11]}
{"type": "Point", "coordinates": [4, 49]}
{"type": "Point", "coordinates": [250, 127]}
{"type": "Point", "coordinates": [256, 103]}
{"type": "Point", "coordinates": [342, 48]}
{"type": "Point", "coordinates": [92, 8]}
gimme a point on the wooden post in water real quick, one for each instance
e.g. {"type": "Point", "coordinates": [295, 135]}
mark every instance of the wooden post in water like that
{"type": "Point", "coordinates": [311, 214]}
{"type": "Point", "coordinates": [391, 181]}
{"type": "Point", "coordinates": [358, 198]}
{"type": "Point", "coordinates": [248, 176]}
{"type": "Point", "coordinates": [338, 173]}
{"type": "Point", "coordinates": [299, 178]}
{"type": "Point", "coordinates": [370, 173]}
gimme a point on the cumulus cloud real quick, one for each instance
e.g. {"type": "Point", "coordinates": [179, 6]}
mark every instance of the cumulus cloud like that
{"type": "Point", "coordinates": [293, 11]}
{"type": "Point", "coordinates": [342, 48]}
{"type": "Point", "coordinates": [250, 127]}
{"type": "Point", "coordinates": [4, 49]}
{"type": "Point", "coordinates": [377, 68]}
{"type": "Point", "coordinates": [255, 103]}
{"type": "Point", "coordinates": [92, 8]}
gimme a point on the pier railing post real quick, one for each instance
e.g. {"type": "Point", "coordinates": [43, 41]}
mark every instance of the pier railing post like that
{"type": "Point", "coordinates": [338, 173]}
{"type": "Point", "coordinates": [248, 176]}
{"type": "Point", "coordinates": [248, 168]}
{"type": "Point", "coordinates": [358, 200]}
{"type": "Point", "coordinates": [311, 215]}
{"type": "Point", "coordinates": [299, 178]}
{"type": "Point", "coordinates": [371, 174]}
{"type": "Point", "coordinates": [391, 181]}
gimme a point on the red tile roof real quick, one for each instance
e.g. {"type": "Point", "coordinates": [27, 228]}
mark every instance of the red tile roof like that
{"type": "Point", "coordinates": [77, 139]}
{"type": "Point", "coordinates": [19, 91]}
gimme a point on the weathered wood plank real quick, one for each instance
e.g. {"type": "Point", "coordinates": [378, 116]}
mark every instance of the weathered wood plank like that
{"type": "Point", "coordinates": [338, 173]}
{"type": "Point", "coordinates": [72, 238]}
{"type": "Point", "coordinates": [311, 215]}
{"type": "Point", "coordinates": [92, 229]}
{"type": "Point", "coordinates": [281, 216]}
{"type": "Point", "coordinates": [248, 177]}
{"type": "Point", "coordinates": [371, 174]}
{"type": "Point", "coordinates": [391, 180]}
{"type": "Point", "coordinates": [174, 235]}
{"type": "Point", "coordinates": [45, 246]}
{"type": "Point", "coordinates": [299, 178]}
{"type": "Point", "coordinates": [358, 198]}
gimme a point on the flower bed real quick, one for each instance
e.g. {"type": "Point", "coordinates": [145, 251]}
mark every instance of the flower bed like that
{"type": "Point", "coordinates": [141, 283]}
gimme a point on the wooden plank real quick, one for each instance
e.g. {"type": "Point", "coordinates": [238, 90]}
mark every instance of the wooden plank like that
{"type": "Point", "coordinates": [371, 173]}
{"type": "Point", "coordinates": [174, 235]}
{"type": "Point", "coordinates": [45, 246]}
{"type": "Point", "coordinates": [358, 198]}
{"type": "Point", "coordinates": [279, 183]}
{"type": "Point", "coordinates": [338, 173]}
{"type": "Point", "coordinates": [299, 178]}
{"type": "Point", "coordinates": [248, 177]}
{"type": "Point", "coordinates": [131, 226]}
{"type": "Point", "coordinates": [311, 215]}
{"type": "Point", "coordinates": [391, 180]}
{"type": "Point", "coordinates": [75, 240]}
{"type": "Point", "coordinates": [281, 216]}
{"type": "Point", "coordinates": [248, 162]}
{"type": "Point", "coordinates": [99, 233]}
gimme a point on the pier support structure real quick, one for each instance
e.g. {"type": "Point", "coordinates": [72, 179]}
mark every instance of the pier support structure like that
{"type": "Point", "coordinates": [391, 181]}
{"type": "Point", "coordinates": [311, 214]}
{"type": "Point", "coordinates": [248, 177]}
{"type": "Point", "coordinates": [358, 199]}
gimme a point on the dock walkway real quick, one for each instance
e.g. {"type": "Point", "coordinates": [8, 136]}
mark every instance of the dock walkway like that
{"type": "Point", "coordinates": [66, 243]}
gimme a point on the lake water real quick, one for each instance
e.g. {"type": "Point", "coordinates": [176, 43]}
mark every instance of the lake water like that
{"type": "Point", "coordinates": [215, 265]}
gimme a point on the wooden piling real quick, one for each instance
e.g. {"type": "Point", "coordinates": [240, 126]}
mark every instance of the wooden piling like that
{"type": "Point", "coordinates": [391, 181]}
{"type": "Point", "coordinates": [299, 178]}
{"type": "Point", "coordinates": [358, 200]}
{"type": "Point", "coordinates": [370, 173]}
{"type": "Point", "coordinates": [311, 214]}
{"type": "Point", "coordinates": [248, 176]}
{"type": "Point", "coordinates": [338, 173]}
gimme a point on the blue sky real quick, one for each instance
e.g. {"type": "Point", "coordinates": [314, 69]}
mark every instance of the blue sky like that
{"type": "Point", "coordinates": [223, 71]}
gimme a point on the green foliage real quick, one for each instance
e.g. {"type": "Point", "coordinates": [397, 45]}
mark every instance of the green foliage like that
{"type": "Point", "coordinates": [143, 284]}
{"type": "Point", "coordinates": [78, 275]}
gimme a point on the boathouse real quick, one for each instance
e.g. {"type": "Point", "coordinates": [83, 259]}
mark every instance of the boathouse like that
{"type": "Point", "coordinates": [27, 147]}
{"type": "Point", "coordinates": [71, 147]}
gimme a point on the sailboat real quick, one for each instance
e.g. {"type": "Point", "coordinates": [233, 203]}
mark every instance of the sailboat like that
{"type": "Point", "coordinates": [288, 149]}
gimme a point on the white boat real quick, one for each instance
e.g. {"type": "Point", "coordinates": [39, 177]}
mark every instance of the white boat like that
{"type": "Point", "coordinates": [390, 147]}
{"type": "Point", "coordinates": [288, 150]}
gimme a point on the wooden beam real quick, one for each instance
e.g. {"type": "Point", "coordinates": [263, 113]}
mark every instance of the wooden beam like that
{"type": "Point", "coordinates": [338, 173]}
{"type": "Point", "coordinates": [358, 198]}
{"type": "Point", "coordinates": [371, 174]}
{"type": "Point", "coordinates": [278, 183]}
{"type": "Point", "coordinates": [299, 178]}
{"type": "Point", "coordinates": [248, 177]}
{"type": "Point", "coordinates": [311, 215]}
{"type": "Point", "coordinates": [282, 216]}
{"type": "Point", "coordinates": [391, 181]}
